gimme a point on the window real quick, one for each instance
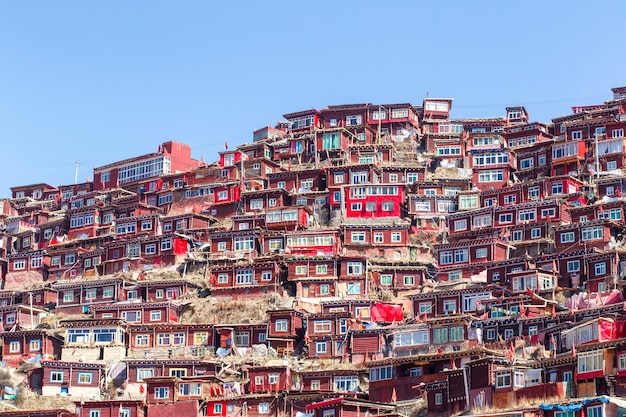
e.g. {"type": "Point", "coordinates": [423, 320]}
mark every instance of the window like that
{"type": "Point", "coordinates": [256, 204]}
{"type": "Point", "coordinates": [438, 398]}
{"type": "Point", "coordinates": [321, 347]}
{"type": "Point", "coordinates": [244, 276]}
{"type": "Point", "coordinates": [573, 266]}
{"type": "Point", "coordinates": [161, 392]}
{"type": "Point", "coordinates": [354, 288]}
{"type": "Point", "coordinates": [535, 233]}
{"type": "Point", "coordinates": [590, 361]}
{"type": "Point", "coordinates": [526, 215]}
{"type": "Point", "coordinates": [84, 377]}
{"type": "Point", "coordinates": [35, 345]}
{"type": "Point", "coordinates": [354, 268]}
{"type": "Point", "coordinates": [387, 206]}
{"type": "Point", "coordinates": [505, 218]}
{"type": "Point", "coordinates": [457, 333]}
{"type": "Point", "coordinates": [617, 133]}
{"type": "Point", "coordinates": [409, 280]}
{"type": "Point", "coordinates": [567, 237]}
{"type": "Point", "coordinates": [242, 338]}
{"type": "Point", "coordinates": [19, 264]}
{"type": "Point", "coordinates": [386, 279]}
{"type": "Point", "coordinates": [155, 316]}
{"type": "Point", "coordinates": [56, 376]}
{"type": "Point", "coordinates": [440, 335]}
{"type": "Point", "coordinates": [396, 237]}
{"type": "Point", "coordinates": [508, 334]}
{"type": "Point", "coordinates": [281, 325]}
{"type": "Point", "coordinates": [445, 258]}
{"type": "Point", "coordinates": [324, 289]}
{"type": "Point", "coordinates": [611, 165]}
{"type": "Point", "coordinates": [14, 346]}
{"type": "Point", "coordinates": [353, 120]}
{"type": "Point", "coordinates": [461, 255]}
{"type": "Point", "coordinates": [346, 383]}
{"type": "Point", "coordinates": [358, 237]}
{"type": "Point", "coordinates": [491, 176]}
{"type": "Point", "coordinates": [94, 413]}
{"type": "Point", "coordinates": [460, 225]}
{"type": "Point", "coordinates": [481, 253]}
{"type": "Point", "coordinates": [331, 140]}
{"type": "Point", "coordinates": [449, 306]}
{"type": "Point", "coordinates": [600, 268]}
{"type": "Point", "coordinates": [264, 408]}
{"type": "Point", "coordinates": [592, 233]}
{"type": "Point", "coordinates": [503, 379]}
{"type": "Point", "coordinates": [594, 411]}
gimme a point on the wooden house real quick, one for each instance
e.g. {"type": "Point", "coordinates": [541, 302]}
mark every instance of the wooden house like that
{"type": "Point", "coordinates": [76, 297]}
{"type": "Point", "coordinates": [591, 234]}
{"type": "Point", "coordinates": [327, 334]}
{"type": "Point", "coordinates": [111, 408]}
{"type": "Point", "coordinates": [269, 379]}
{"type": "Point", "coordinates": [140, 312]}
{"type": "Point", "coordinates": [312, 276]}
{"type": "Point", "coordinates": [74, 379]}
{"type": "Point", "coordinates": [170, 340]}
{"type": "Point", "coordinates": [29, 346]}
{"type": "Point", "coordinates": [94, 340]}
{"type": "Point", "coordinates": [285, 330]}
{"type": "Point", "coordinates": [21, 316]}
{"type": "Point", "coordinates": [377, 238]}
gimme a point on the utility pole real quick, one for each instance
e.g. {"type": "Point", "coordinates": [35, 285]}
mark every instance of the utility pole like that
{"type": "Point", "coordinates": [595, 135]}
{"type": "Point", "coordinates": [76, 165]}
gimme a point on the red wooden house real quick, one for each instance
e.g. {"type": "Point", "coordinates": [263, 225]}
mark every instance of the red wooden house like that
{"type": "Point", "coordinates": [239, 336]}
{"type": "Point", "coordinates": [288, 218]}
{"type": "Point", "coordinates": [352, 277]}
{"type": "Point", "coordinates": [453, 257]}
{"type": "Point", "coordinates": [21, 316]}
{"type": "Point", "coordinates": [75, 379]}
{"type": "Point", "coordinates": [34, 191]}
{"type": "Point", "coordinates": [25, 267]}
{"type": "Point", "coordinates": [326, 334]}
{"type": "Point", "coordinates": [170, 157]}
{"type": "Point", "coordinates": [29, 346]}
{"type": "Point", "coordinates": [342, 406]}
{"type": "Point", "coordinates": [491, 169]}
{"type": "Point", "coordinates": [285, 329]}
{"type": "Point", "coordinates": [251, 279]}
{"type": "Point", "coordinates": [269, 379]}
{"type": "Point", "coordinates": [381, 238]}
{"type": "Point", "coordinates": [312, 242]}
{"type": "Point", "coordinates": [139, 313]}
{"type": "Point", "coordinates": [234, 244]}
{"type": "Point", "coordinates": [402, 378]}
{"type": "Point", "coordinates": [94, 340]}
{"type": "Point", "coordinates": [260, 200]}
{"type": "Point", "coordinates": [398, 278]}
{"type": "Point", "coordinates": [76, 297]}
{"type": "Point", "coordinates": [312, 276]}
{"type": "Point", "coordinates": [369, 201]}
{"type": "Point", "coordinates": [297, 180]}
{"type": "Point", "coordinates": [171, 340]}
{"type": "Point", "coordinates": [111, 408]}
{"type": "Point", "coordinates": [226, 197]}
{"type": "Point", "coordinates": [366, 344]}
{"type": "Point", "coordinates": [592, 234]}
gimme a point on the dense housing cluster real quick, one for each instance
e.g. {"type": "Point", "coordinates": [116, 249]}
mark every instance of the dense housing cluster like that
{"type": "Point", "coordinates": [401, 262]}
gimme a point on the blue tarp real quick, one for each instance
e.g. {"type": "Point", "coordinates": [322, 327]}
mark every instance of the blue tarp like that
{"type": "Point", "coordinates": [573, 406]}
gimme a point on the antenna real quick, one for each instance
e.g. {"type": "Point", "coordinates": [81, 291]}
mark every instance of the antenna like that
{"type": "Point", "coordinates": [76, 164]}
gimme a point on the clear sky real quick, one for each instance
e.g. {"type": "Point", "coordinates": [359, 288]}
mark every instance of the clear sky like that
{"type": "Point", "coordinates": [101, 81]}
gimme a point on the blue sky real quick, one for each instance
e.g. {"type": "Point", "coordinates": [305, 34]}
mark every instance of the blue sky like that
{"type": "Point", "coordinates": [97, 82]}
